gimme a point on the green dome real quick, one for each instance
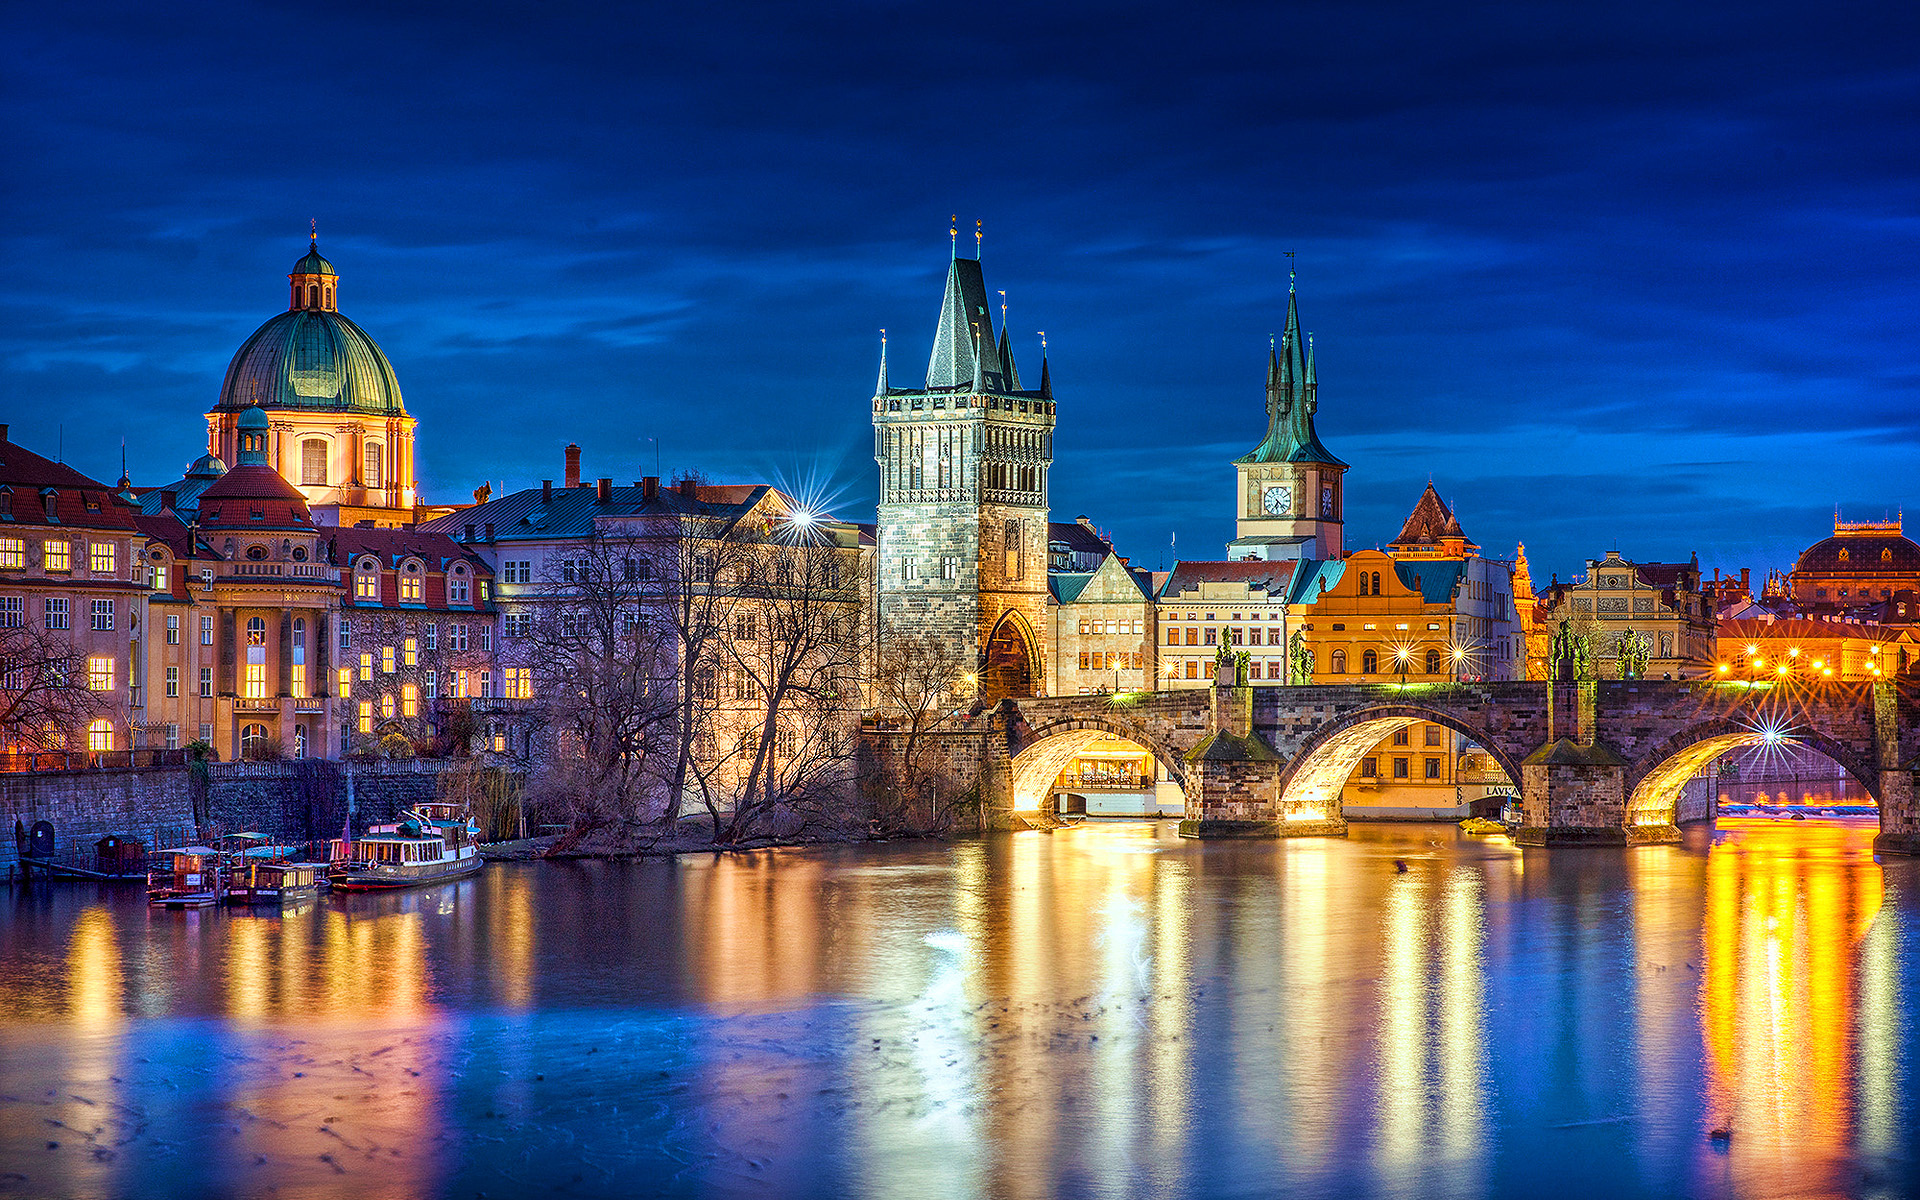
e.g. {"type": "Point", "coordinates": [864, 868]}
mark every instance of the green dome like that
{"type": "Point", "coordinates": [314, 360]}
{"type": "Point", "coordinates": [313, 264]}
{"type": "Point", "coordinates": [253, 418]}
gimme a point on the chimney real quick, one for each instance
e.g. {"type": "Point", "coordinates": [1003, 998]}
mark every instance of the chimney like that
{"type": "Point", "coordinates": [603, 493]}
{"type": "Point", "coordinates": [1084, 521]}
{"type": "Point", "coordinates": [489, 531]}
{"type": "Point", "coordinates": [546, 491]}
{"type": "Point", "coordinates": [689, 489]}
{"type": "Point", "coordinates": [3, 433]}
{"type": "Point", "coordinates": [1743, 577]}
{"type": "Point", "coordinates": [573, 464]}
{"type": "Point", "coordinates": [469, 531]}
{"type": "Point", "coordinates": [650, 488]}
{"type": "Point", "coordinates": [168, 497]}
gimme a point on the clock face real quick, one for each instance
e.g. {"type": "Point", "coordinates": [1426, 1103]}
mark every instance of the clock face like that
{"type": "Point", "coordinates": [1277, 499]}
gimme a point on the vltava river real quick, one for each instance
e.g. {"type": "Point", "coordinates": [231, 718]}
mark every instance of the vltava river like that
{"type": "Point", "coordinates": [1108, 1011]}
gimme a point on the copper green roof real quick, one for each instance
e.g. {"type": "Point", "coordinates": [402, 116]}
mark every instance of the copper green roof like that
{"type": "Point", "coordinates": [311, 359]}
{"type": "Point", "coordinates": [313, 264]}
{"type": "Point", "coordinates": [1292, 399]}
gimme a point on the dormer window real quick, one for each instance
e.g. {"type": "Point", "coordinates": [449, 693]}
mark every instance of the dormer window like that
{"type": "Point", "coordinates": [50, 501]}
{"type": "Point", "coordinates": [410, 589]}
{"type": "Point", "coordinates": [457, 586]}
{"type": "Point", "coordinates": [6, 503]}
{"type": "Point", "coordinates": [366, 580]}
{"type": "Point", "coordinates": [257, 514]}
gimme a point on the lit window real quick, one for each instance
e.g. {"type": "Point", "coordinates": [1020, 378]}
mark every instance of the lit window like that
{"type": "Point", "coordinates": [386, 660]}
{"type": "Point", "coordinates": [345, 682]}
{"type": "Point", "coordinates": [410, 583]}
{"type": "Point", "coordinates": [410, 700]}
{"type": "Point", "coordinates": [13, 554]}
{"type": "Point", "coordinates": [256, 681]}
{"type": "Point", "coordinates": [412, 648]}
{"type": "Point", "coordinates": [366, 716]}
{"type": "Point", "coordinates": [157, 577]}
{"type": "Point", "coordinates": [100, 736]}
{"type": "Point", "coordinates": [100, 673]}
{"type": "Point", "coordinates": [256, 631]}
{"type": "Point", "coordinates": [366, 585]}
{"type": "Point", "coordinates": [519, 683]}
{"type": "Point", "coordinates": [102, 559]}
{"type": "Point", "coordinates": [59, 556]}
{"type": "Point", "coordinates": [386, 707]}
{"type": "Point", "coordinates": [298, 683]}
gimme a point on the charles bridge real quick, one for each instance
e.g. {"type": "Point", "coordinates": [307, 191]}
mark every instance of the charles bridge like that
{"type": "Point", "coordinates": [1599, 763]}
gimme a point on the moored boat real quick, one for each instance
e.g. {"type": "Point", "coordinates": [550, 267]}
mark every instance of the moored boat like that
{"type": "Point", "coordinates": [193, 879]}
{"type": "Point", "coordinates": [434, 843]}
{"type": "Point", "coordinates": [265, 879]}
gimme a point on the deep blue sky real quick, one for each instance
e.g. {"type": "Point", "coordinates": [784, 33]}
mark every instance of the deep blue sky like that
{"type": "Point", "coordinates": [1613, 276]}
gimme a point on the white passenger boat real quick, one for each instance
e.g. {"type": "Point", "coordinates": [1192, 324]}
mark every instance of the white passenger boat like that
{"type": "Point", "coordinates": [435, 842]}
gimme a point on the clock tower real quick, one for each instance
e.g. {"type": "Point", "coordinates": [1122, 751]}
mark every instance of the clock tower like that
{"type": "Point", "coordinates": [1288, 492]}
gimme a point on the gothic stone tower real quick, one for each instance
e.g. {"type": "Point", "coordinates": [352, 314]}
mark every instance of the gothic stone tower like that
{"type": "Point", "coordinates": [963, 496]}
{"type": "Point", "coordinates": [1288, 488]}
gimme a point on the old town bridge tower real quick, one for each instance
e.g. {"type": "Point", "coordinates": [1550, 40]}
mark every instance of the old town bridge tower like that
{"type": "Point", "coordinates": [963, 496]}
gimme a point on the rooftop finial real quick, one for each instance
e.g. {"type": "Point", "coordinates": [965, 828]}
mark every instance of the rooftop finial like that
{"type": "Point", "coordinates": [313, 230]}
{"type": "Point", "coordinates": [1003, 308]}
{"type": "Point", "coordinates": [978, 236]}
{"type": "Point", "coordinates": [881, 388]}
{"type": "Point", "coordinates": [953, 234]}
{"type": "Point", "coordinates": [1043, 341]}
{"type": "Point", "coordinates": [1290, 272]}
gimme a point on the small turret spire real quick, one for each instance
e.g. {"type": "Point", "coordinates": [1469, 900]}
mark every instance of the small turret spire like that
{"type": "Point", "coordinates": [953, 234]}
{"type": "Point", "coordinates": [1046, 379]}
{"type": "Point", "coordinates": [979, 364]}
{"type": "Point", "coordinates": [978, 237]}
{"type": "Point", "coordinates": [880, 389]}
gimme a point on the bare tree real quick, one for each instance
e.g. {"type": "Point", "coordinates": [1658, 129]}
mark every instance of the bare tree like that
{"type": "Point", "coordinates": [44, 698]}
{"type": "Point", "coordinates": [794, 658]}
{"type": "Point", "coordinates": [603, 667]}
{"type": "Point", "coordinates": [917, 682]}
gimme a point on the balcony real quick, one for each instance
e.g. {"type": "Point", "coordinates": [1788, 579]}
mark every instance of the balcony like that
{"type": "Point", "coordinates": [256, 704]}
{"type": "Point", "coordinates": [318, 572]}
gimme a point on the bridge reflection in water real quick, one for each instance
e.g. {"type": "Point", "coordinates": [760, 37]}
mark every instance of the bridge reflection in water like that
{"type": "Point", "coordinates": [1104, 1010]}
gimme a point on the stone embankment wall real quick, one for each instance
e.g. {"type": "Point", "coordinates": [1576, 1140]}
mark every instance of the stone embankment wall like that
{"type": "Point", "coordinates": [298, 802]}
{"type": "Point", "coordinates": [153, 804]}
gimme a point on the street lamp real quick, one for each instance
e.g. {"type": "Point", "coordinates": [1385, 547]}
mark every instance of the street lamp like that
{"type": "Point", "coordinates": [1400, 654]}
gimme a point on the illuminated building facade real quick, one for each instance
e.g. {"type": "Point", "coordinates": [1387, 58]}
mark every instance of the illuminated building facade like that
{"type": "Point", "coordinates": [1242, 605]}
{"type": "Point", "coordinates": [72, 578]}
{"type": "Point", "coordinates": [1802, 649]}
{"type": "Point", "coordinates": [1100, 627]}
{"type": "Point", "coordinates": [1665, 605]}
{"type": "Point", "coordinates": [963, 532]}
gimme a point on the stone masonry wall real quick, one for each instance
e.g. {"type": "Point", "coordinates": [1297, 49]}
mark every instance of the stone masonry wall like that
{"type": "Point", "coordinates": [153, 805]}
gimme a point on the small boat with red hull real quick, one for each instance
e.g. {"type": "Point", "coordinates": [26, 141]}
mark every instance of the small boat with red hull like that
{"type": "Point", "coordinates": [434, 843]}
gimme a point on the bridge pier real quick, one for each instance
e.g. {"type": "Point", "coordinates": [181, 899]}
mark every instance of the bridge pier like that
{"type": "Point", "coordinates": [1899, 822]}
{"type": "Point", "coordinates": [1233, 781]}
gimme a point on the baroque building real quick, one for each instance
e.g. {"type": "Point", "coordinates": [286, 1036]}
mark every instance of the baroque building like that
{"type": "Point", "coordinates": [1859, 570]}
{"type": "Point", "coordinates": [338, 430]}
{"type": "Point", "coordinates": [1664, 607]}
{"type": "Point", "coordinates": [1288, 489]}
{"type": "Point", "coordinates": [963, 532]}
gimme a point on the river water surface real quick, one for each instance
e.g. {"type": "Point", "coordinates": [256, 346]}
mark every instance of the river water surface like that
{"type": "Point", "coordinates": [1107, 1011]}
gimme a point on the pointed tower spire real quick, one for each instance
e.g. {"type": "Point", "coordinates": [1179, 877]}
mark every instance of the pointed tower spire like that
{"type": "Point", "coordinates": [963, 313]}
{"type": "Point", "coordinates": [1292, 388]}
{"type": "Point", "coordinates": [1046, 379]}
{"type": "Point", "coordinates": [880, 389]}
{"type": "Point", "coordinates": [1008, 372]}
{"type": "Point", "coordinates": [979, 364]}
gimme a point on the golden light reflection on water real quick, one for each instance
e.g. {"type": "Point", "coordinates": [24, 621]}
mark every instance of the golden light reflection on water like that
{"type": "Point", "coordinates": [1787, 907]}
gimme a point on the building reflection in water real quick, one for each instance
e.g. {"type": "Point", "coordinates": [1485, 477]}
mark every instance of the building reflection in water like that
{"type": "Point", "coordinates": [1793, 1012]}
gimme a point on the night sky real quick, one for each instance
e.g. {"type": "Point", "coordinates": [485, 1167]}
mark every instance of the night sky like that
{"type": "Point", "coordinates": [1612, 276]}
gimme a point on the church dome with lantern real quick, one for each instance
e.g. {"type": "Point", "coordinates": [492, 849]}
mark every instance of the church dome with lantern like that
{"type": "Point", "coordinates": [338, 429]}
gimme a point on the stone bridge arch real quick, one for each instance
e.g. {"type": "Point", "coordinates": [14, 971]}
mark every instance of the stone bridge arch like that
{"type": "Point", "coordinates": [1654, 779]}
{"type": "Point", "coordinates": [1314, 777]}
{"type": "Point", "coordinates": [1041, 752]}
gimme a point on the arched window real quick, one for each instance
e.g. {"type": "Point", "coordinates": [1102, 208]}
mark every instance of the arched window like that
{"type": "Point", "coordinates": [300, 740]}
{"type": "Point", "coordinates": [299, 632]}
{"type": "Point", "coordinates": [457, 586]}
{"type": "Point", "coordinates": [1433, 662]}
{"type": "Point", "coordinates": [313, 295]}
{"type": "Point", "coordinates": [374, 460]}
{"type": "Point", "coordinates": [329, 299]}
{"type": "Point", "coordinates": [256, 631]}
{"type": "Point", "coordinates": [100, 735]}
{"type": "Point", "coordinates": [253, 741]}
{"type": "Point", "coordinates": [1339, 662]}
{"type": "Point", "coordinates": [313, 462]}
{"type": "Point", "coordinates": [1376, 583]}
{"type": "Point", "coordinates": [1369, 663]}
{"type": "Point", "coordinates": [366, 580]}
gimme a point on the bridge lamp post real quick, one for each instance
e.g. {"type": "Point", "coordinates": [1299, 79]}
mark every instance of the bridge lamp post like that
{"type": "Point", "coordinates": [1400, 654]}
{"type": "Point", "coordinates": [1459, 653]}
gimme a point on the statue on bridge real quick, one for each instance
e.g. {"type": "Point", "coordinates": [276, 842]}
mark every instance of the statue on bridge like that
{"type": "Point", "coordinates": [1230, 664]}
{"type": "Point", "coordinates": [1571, 655]}
{"type": "Point", "coordinates": [1299, 659]}
{"type": "Point", "coordinates": [1633, 650]}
